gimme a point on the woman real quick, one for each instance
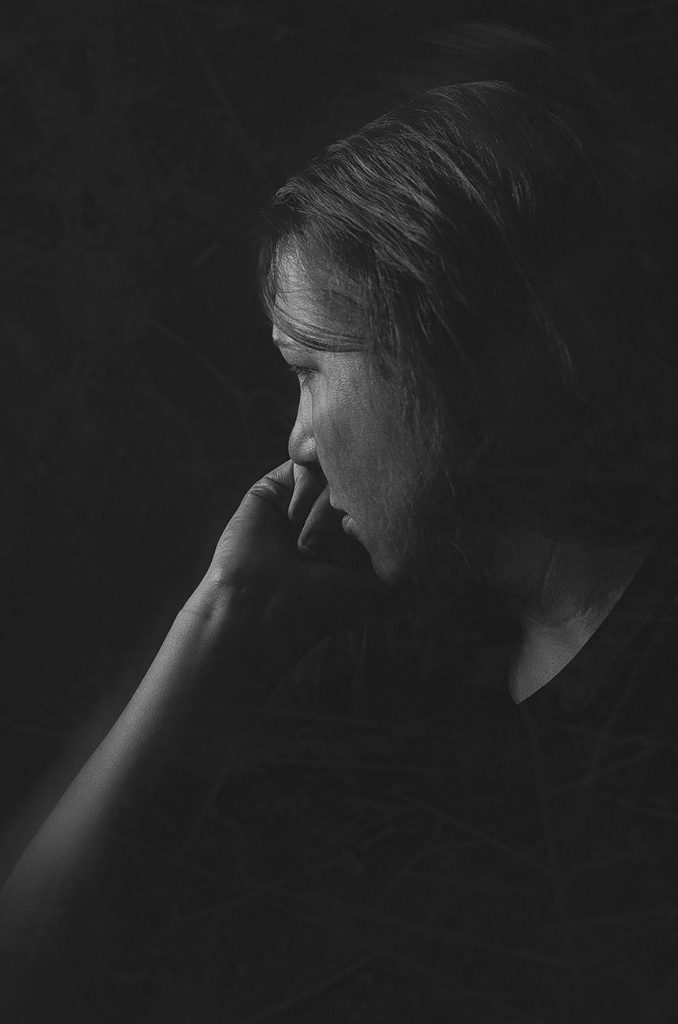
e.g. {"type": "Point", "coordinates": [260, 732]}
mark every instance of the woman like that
{"type": "Point", "coordinates": [475, 292]}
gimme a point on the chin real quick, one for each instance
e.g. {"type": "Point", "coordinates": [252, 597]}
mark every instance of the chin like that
{"type": "Point", "coordinates": [392, 560]}
{"type": "Point", "coordinates": [393, 572]}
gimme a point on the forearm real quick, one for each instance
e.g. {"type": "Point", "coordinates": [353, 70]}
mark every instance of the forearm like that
{"type": "Point", "coordinates": [198, 664]}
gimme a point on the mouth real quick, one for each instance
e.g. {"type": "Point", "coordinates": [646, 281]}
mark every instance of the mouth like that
{"type": "Point", "coordinates": [347, 523]}
{"type": "Point", "coordinates": [348, 526]}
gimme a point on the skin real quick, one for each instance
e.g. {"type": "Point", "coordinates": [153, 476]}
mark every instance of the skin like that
{"type": "Point", "coordinates": [557, 630]}
{"type": "Point", "coordinates": [346, 441]}
{"type": "Point", "coordinates": [343, 441]}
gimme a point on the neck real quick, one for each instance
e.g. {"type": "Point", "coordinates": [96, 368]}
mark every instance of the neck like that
{"type": "Point", "coordinates": [561, 594]}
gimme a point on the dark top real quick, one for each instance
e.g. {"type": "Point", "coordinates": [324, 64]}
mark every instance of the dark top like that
{"type": "Point", "coordinates": [396, 840]}
{"type": "Point", "coordinates": [547, 863]}
{"type": "Point", "coordinates": [623, 674]}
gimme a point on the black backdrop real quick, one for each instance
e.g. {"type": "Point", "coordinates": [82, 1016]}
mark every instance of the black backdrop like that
{"type": "Point", "coordinates": [140, 394]}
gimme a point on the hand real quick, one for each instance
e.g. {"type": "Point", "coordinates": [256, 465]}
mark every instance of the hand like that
{"type": "Point", "coordinates": [282, 598]}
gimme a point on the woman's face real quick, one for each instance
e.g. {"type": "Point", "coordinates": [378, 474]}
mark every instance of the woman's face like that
{"type": "Point", "coordinates": [350, 425]}
{"type": "Point", "coordinates": [346, 427]}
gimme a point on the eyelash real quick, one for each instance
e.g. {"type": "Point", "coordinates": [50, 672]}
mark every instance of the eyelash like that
{"type": "Point", "coordinates": [302, 373]}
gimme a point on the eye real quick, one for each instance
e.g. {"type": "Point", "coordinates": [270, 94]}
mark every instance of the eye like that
{"type": "Point", "coordinates": [302, 373]}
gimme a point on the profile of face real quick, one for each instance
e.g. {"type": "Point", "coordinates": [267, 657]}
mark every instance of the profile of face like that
{"type": "Point", "coordinates": [347, 428]}
{"type": "Point", "coordinates": [350, 426]}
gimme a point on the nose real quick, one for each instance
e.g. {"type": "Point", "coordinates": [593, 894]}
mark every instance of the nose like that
{"type": "Point", "coordinates": [301, 445]}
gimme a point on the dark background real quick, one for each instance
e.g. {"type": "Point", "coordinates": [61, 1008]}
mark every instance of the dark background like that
{"type": "Point", "coordinates": [140, 397]}
{"type": "Point", "coordinates": [140, 393]}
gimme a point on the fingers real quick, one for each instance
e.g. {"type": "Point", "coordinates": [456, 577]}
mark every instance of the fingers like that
{"type": "Point", "coordinates": [301, 494]}
{"type": "Point", "coordinates": [322, 523]}
{"type": "Point", "coordinates": [292, 489]}
{"type": "Point", "coordinates": [321, 534]}
{"type": "Point", "coordinates": [277, 487]}
{"type": "Point", "coordinates": [308, 486]}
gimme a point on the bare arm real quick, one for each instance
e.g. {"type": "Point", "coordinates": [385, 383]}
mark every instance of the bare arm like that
{"type": "Point", "coordinates": [128, 765]}
{"type": "Point", "coordinates": [41, 903]}
{"type": "Point", "coordinates": [259, 607]}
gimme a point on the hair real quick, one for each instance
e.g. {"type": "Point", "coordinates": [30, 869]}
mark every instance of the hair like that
{"type": "Point", "coordinates": [506, 246]}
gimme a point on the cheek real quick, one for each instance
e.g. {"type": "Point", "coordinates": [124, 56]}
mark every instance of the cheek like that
{"type": "Point", "coordinates": [373, 482]}
{"type": "Point", "coordinates": [356, 442]}
{"type": "Point", "coordinates": [330, 428]}
{"type": "Point", "coordinates": [342, 443]}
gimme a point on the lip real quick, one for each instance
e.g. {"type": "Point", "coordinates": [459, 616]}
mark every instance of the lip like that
{"type": "Point", "coordinates": [348, 525]}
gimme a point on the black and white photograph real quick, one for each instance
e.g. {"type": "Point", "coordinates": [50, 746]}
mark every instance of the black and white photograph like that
{"type": "Point", "coordinates": [339, 518]}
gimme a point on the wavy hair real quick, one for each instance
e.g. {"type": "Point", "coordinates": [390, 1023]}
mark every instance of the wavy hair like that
{"type": "Point", "coordinates": [505, 244]}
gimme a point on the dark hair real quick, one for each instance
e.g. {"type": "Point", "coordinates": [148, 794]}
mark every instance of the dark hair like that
{"type": "Point", "coordinates": [508, 246]}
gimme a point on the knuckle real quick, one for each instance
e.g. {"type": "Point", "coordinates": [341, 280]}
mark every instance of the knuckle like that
{"type": "Point", "coordinates": [270, 490]}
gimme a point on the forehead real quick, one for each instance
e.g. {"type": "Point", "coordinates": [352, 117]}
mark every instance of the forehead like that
{"type": "Point", "coordinates": [313, 306]}
{"type": "Point", "coordinates": [293, 288]}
